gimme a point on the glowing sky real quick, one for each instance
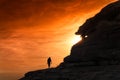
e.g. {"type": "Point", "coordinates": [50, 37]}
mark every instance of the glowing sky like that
{"type": "Point", "coordinates": [34, 29]}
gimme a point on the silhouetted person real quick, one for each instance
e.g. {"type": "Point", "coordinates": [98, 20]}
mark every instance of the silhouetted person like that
{"type": "Point", "coordinates": [49, 62]}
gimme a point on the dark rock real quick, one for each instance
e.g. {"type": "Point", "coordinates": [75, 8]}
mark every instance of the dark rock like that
{"type": "Point", "coordinates": [97, 57]}
{"type": "Point", "coordinates": [109, 13]}
{"type": "Point", "coordinates": [103, 41]}
{"type": "Point", "coordinates": [111, 72]}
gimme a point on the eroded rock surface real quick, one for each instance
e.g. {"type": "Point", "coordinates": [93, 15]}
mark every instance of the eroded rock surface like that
{"type": "Point", "coordinates": [103, 41]}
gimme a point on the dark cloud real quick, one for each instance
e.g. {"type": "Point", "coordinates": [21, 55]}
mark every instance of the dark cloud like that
{"type": "Point", "coordinates": [15, 14]}
{"type": "Point", "coordinates": [12, 10]}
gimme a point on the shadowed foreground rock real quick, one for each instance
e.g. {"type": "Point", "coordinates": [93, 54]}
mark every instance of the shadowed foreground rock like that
{"type": "Point", "coordinates": [76, 73]}
{"type": "Point", "coordinates": [97, 57]}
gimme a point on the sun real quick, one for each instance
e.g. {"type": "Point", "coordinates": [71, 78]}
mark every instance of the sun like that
{"type": "Point", "coordinates": [75, 39]}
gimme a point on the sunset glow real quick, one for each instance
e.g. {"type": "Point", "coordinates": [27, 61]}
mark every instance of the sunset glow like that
{"type": "Point", "coordinates": [76, 39]}
{"type": "Point", "coordinates": [33, 30]}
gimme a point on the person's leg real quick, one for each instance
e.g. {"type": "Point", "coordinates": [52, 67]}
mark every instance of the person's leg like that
{"type": "Point", "coordinates": [48, 65]}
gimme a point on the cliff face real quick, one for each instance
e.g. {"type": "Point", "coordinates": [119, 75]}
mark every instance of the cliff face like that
{"type": "Point", "coordinates": [103, 41]}
{"type": "Point", "coordinates": [97, 57]}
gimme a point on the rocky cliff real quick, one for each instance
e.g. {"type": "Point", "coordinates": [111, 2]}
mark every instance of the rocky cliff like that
{"type": "Point", "coordinates": [97, 57]}
{"type": "Point", "coordinates": [103, 41]}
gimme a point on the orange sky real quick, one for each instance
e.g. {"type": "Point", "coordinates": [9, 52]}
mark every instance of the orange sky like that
{"type": "Point", "coordinates": [34, 29]}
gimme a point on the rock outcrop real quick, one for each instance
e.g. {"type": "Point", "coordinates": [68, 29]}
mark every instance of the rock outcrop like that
{"type": "Point", "coordinates": [103, 41]}
{"type": "Point", "coordinates": [76, 73]}
{"type": "Point", "coordinates": [97, 57]}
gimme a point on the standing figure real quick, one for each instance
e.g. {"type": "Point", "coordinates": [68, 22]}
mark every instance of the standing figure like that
{"type": "Point", "coordinates": [49, 62]}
